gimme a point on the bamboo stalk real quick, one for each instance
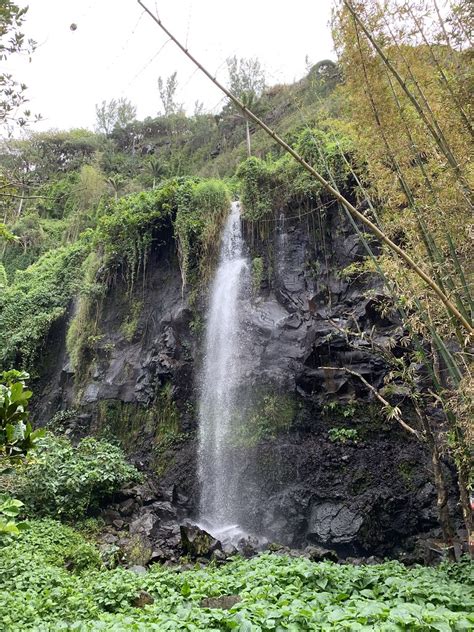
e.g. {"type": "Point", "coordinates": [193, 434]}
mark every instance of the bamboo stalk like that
{"type": "Point", "coordinates": [443, 76]}
{"type": "Point", "coordinates": [433, 128]}
{"type": "Point", "coordinates": [354, 212]}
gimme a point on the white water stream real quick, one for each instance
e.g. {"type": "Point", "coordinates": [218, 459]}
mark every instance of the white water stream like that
{"type": "Point", "coordinates": [219, 410]}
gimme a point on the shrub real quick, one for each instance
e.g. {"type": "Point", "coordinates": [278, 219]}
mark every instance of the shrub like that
{"type": "Point", "coordinates": [259, 187]}
{"type": "Point", "coordinates": [201, 207]}
{"type": "Point", "coordinates": [68, 481]}
{"type": "Point", "coordinates": [277, 592]}
{"type": "Point", "coordinates": [37, 298]}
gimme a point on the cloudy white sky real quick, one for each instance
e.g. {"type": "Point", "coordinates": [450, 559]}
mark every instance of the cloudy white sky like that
{"type": "Point", "coordinates": [117, 50]}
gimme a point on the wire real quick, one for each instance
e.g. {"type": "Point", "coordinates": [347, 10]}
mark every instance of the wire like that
{"type": "Point", "coordinates": [127, 42]}
{"type": "Point", "coordinates": [149, 62]}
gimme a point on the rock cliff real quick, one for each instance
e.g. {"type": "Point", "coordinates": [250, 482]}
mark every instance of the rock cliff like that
{"type": "Point", "coordinates": [319, 462]}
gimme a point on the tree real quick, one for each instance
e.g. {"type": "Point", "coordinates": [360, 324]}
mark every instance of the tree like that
{"type": "Point", "coordinates": [167, 89]}
{"type": "Point", "coordinates": [114, 113]}
{"type": "Point", "coordinates": [156, 167]}
{"type": "Point", "coordinates": [405, 91]}
{"type": "Point", "coordinates": [246, 82]}
{"type": "Point", "coordinates": [12, 41]}
{"type": "Point", "coordinates": [117, 182]}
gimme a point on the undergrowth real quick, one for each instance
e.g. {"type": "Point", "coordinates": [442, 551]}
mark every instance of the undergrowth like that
{"type": "Point", "coordinates": [52, 579]}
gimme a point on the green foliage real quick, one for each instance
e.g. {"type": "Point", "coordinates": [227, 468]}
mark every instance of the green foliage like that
{"type": "Point", "coordinates": [114, 113]}
{"type": "Point", "coordinates": [9, 510]}
{"type": "Point", "coordinates": [67, 481]}
{"type": "Point", "coordinates": [269, 185]}
{"type": "Point", "coordinates": [17, 436]}
{"type": "Point", "coordinates": [17, 439]}
{"type": "Point", "coordinates": [130, 324]}
{"type": "Point", "coordinates": [58, 196]}
{"type": "Point", "coordinates": [342, 435]}
{"type": "Point", "coordinates": [257, 273]}
{"type": "Point", "coordinates": [277, 593]}
{"type": "Point", "coordinates": [335, 409]}
{"type": "Point", "coordinates": [201, 206]}
{"type": "Point", "coordinates": [37, 298]}
{"type": "Point", "coordinates": [5, 233]}
{"type": "Point", "coordinates": [126, 232]}
{"type": "Point", "coordinates": [258, 187]}
{"type": "Point", "coordinates": [12, 41]}
{"type": "Point", "coordinates": [82, 330]}
{"type": "Point", "coordinates": [269, 415]}
{"type": "Point", "coordinates": [3, 277]}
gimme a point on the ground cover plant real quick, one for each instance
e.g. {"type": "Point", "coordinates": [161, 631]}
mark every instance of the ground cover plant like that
{"type": "Point", "coordinates": [52, 579]}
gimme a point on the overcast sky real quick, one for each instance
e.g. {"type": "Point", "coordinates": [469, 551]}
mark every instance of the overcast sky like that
{"type": "Point", "coordinates": [117, 50]}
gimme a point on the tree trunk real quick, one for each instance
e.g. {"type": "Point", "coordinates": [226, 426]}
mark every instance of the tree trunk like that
{"type": "Point", "coordinates": [247, 128]}
{"type": "Point", "coordinates": [439, 479]}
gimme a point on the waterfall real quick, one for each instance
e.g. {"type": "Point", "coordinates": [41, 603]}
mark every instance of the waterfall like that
{"type": "Point", "coordinates": [219, 409]}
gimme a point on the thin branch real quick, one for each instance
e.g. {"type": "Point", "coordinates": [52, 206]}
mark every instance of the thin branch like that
{"type": "Point", "coordinates": [396, 411]}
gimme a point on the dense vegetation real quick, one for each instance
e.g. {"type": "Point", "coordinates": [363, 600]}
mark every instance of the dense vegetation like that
{"type": "Point", "coordinates": [52, 578]}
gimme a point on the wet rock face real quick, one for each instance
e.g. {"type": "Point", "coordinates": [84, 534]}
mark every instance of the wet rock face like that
{"type": "Point", "coordinates": [298, 487]}
{"type": "Point", "coordinates": [197, 542]}
{"type": "Point", "coordinates": [333, 523]}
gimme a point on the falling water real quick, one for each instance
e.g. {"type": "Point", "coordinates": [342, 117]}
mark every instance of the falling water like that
{"type": "Point", "coordinates": [219, 406]}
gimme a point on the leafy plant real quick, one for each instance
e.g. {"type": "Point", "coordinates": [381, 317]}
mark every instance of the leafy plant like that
{"type": "Point", "coordinates": [17, 436]}
{"type": "Point", "coordinates": [9, 510]}
{"type": "Point", "coordinates": [68, 481]}
{"type": "Point", "coordinates": [36, 299]}
{"type": "Point", "coordinates": [276, 592]}
{"type": "Point", "coordinates": [342, 435]}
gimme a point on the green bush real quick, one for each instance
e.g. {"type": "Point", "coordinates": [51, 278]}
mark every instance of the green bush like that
{"type": "Point", "coordinates": [267, 186]}
{"type": "Point", "coordinates": [37, 298]}
{"type": "Point", "coordinates": [128, 227]}
{"type": "Point", "coordinates": [260, 186]}
{"type": "Point", "coordinates": [67, 481]}
{"type": "Point", "coordinates": [17, 436]}
{"type": "Point", "coordinates": [201, 207]}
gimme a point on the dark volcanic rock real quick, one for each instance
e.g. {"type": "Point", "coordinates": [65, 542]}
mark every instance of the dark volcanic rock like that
{"type": "Point", "coordinates": [370, 495]}
{"type": "Point", "coordinates": [225, 602]}
{"type": "Point", "coordinates": [198, 543]}
{"type": "Point", "coordinates": [319, 554]}
{"type": "Point", "coordinates": [333, 523]}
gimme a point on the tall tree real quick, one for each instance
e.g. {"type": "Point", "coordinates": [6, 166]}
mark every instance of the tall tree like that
{"type": "Point", "coordinates": [114, 113]}
{"type": "Point", "coordinates": [246, 82]}
{"type": "Point", "coordinates": [167, 89]}
{"type": "Point", "coordinates": [407, 97]}
{"type": "Point", "coordinates": [13, 42]}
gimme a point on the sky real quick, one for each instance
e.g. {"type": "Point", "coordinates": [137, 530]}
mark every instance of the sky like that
{"type": "Point", "coordinates": [118, 51]}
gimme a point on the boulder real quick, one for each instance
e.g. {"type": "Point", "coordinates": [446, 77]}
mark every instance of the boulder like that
{"type": "Point", "coordinates": [164, 510]}
{"type": "Point", "coordinates": [224, 602]}
{"type": "Point", "coordinates": [319, 554]}
{"type": "Point", "coordinates": [137, 569]}
{"type": "Point", "coordinates": [142, 599]}
{"type": "Point", "coordinates": [198, 543]}
{"type": "Point", "coordinates": [146, 523]}
{"type": "Point", "coordinates": [126, 507]}
{"type": "Point", "coordinates": [333, 523]}
{"type": "Point", "coordinates": [248, 546]}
